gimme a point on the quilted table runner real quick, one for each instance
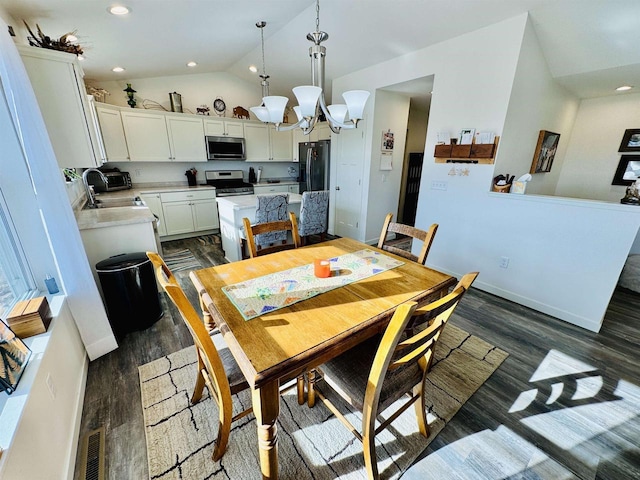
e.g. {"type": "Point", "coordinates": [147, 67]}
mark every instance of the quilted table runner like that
{"type": "Point", "coordinates": [264, 294]}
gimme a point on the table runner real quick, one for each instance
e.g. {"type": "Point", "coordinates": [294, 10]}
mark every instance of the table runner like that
{"type": "Point", "coordinates": [271, 292]}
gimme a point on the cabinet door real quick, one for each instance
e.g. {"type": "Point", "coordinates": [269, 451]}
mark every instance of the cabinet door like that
{"type": "Point", "coordinates": [186, 138]}
{"type": "Point", "coordinates": [112, 130]}
{"type": "Point", "coordinates": [152, 200]}
{"type": "Point", "coordinates": [280, 142]}
{"type": "Point", "coordinates": [294, 188]}
{"type": "Point", "coordinates": [146, 135]}
{"type": "Point", "coordinates": [297, 138]}
{"type": "Point", "coordinates": [257, 142]}
{"type": "Point", "coordinates": [57, 82]}
{"type": "Point", "coordinates": [322, 131]}
{"type": "Point", "coordinates": [234, 129]}
{"type": "Point", "coordinates": [205, 214]}
{"type": "Point", "coordinates": [178, 217]}
{"type": "Point", "coordinates": [259, 190]}
{"type": "Point", "coordinates": [213, 126]}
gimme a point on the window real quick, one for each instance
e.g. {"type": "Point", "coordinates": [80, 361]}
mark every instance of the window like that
{"type": "Point", "coordinates": [16, 281]}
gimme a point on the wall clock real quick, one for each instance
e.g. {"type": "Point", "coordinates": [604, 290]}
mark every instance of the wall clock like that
{"type": "Point", "coordinates": [219, 106]}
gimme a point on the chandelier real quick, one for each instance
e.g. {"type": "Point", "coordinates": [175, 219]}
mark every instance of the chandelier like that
{"type": "Point", "coordinates": [311, 102]}
{"type": "Point", "coordinates": [265, 78]}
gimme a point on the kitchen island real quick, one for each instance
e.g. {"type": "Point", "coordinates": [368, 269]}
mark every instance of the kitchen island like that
{"type": "Point", "coordinates": [232, 210]}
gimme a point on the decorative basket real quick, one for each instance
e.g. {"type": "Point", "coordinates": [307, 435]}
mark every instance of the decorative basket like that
{"type": "Point", "coordinates": [501, 188]}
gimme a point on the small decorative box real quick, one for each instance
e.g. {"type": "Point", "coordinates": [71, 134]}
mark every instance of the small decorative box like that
{"type": "Point", "coordinates": [30, 317]}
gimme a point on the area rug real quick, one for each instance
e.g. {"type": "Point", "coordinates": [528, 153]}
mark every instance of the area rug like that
{"type": "Point", "coordinates": [312, 443]}
{"type": "Point", "coordinates": [181, 260]}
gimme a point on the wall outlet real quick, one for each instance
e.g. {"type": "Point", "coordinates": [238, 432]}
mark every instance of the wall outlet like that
{"type": "Point", "coordinates": [137, 172]}
{"type": "Point", "coordinates": [438, 185]}
{"type": "Point", "coordinates": [51, 386]}
{"type": "Point", "coordinates": [504, 262]}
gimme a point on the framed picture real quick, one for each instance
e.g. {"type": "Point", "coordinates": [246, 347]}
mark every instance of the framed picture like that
{"type": "Point", "coordinates": [387, 141]}
{"type": "Point", "coordinates": [545, 151]}
{"type": "Point", "coordinates": [630, 140]}
{"type": "Point", "coordinates": [628, 170]}
{"type": "Point", "coordinates": [14, 355]}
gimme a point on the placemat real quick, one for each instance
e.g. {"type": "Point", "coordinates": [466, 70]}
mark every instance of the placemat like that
{"type": "Point", "coordinates": [264, 294]}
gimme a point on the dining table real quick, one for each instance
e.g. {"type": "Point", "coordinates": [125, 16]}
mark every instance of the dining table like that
{"type": "Point", "coordinates": [276, 345]}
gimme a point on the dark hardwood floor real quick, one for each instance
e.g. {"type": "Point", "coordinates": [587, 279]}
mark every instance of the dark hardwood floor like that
{"type": "Point", "coordinates": [573, 434]}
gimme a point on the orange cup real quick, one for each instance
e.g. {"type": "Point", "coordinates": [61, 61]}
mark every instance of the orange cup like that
{"type": "Point", "coordinates": [321, 268]}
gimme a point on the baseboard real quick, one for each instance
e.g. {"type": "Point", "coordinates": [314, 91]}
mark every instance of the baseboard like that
{"type": "Point", "coordinates": [73, 453]}
{"type": "Point", "coordinates": [101, 347]}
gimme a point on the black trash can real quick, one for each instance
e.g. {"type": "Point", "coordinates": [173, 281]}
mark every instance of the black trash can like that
{"type": "Point", "coordinates": [130, 292]}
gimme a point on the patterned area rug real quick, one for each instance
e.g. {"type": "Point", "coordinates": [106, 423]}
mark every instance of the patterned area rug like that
{"type": "Point", "coordinates": [313, 444]}
{"type": "Point", "coordinates": [181, 260]}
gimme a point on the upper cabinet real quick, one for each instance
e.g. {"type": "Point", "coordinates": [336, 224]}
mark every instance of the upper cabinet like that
{"type": "Point", "coordinates": [221, 127]}
{"type": "Point", "coordinates": [146, 135]}
{"type": "Point", "coordinates": [257, 142]}
{"type": "Point", "coordinates": [320, 132]}
{"type": "Point", "coordinates": [280, 145]}
{"type": "Point", "coordinates": [186, 138]}
{"type": "Point", "coordinates": [115, 143]}
{"type": "Point", "coordinates": [57, 80]}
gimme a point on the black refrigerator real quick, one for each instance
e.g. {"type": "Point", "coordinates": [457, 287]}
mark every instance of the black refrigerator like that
{"type": "Point", "coordinates": [314, 165]}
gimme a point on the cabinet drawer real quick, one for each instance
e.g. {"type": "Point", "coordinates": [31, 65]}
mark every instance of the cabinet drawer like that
{"type": "Point", "coordinates": [270, 189]}
{"type": "Point", "coordinates": [188, 195]}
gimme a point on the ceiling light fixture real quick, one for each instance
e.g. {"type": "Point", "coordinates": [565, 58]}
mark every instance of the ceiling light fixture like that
{"type": "Point", "coordinates": [310, 98]}
{"type": "Point", "coordinates": [624, 88]}
{"type": "Point", "coordinates": [119, 10]}
{"type": "Point", "coordinates": [117, 69]}
{"type": "Point", "coordinates": [253, 69]}
{"type": "Point", "coordinates": [265, 78]}
{"type": "Point", "coordinates": [192, 64]}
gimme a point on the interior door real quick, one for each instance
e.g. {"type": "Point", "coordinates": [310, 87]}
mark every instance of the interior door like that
{"type": "Point", "coordinates": [348, 186]}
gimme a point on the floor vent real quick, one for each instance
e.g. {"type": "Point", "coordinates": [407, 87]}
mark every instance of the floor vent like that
{"type": "Point", "coordinates": [93, 455]}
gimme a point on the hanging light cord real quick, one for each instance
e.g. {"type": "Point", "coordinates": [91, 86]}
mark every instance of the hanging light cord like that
{"type": "Point", "coordinates": [317, 15]}
{"type": "Point", "coordinates": [264, 71]}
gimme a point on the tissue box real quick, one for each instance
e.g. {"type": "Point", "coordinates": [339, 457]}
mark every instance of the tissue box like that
{"type": "Point", "coordinates": [30, 317]}
{"type": "Point", "coordinates": [518, 187]}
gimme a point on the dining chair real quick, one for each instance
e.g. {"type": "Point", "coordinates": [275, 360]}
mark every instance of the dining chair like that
{"type": "Point", "coordinates": [271, 208]}
{"type": "Point", "coordinates": [314, 214]}
{"type": "Point", "coordinates": [253, 231]}
{"type": "Point", "coordinates": [425, 236]}
{"type": "Point", "coordinates": [378, 372]}
{"type": "Point", "coordinates": [217, 369]}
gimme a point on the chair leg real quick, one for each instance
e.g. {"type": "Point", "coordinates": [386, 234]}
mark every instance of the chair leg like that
{"type": "Point", "coordinates": [300, 389]}
{"type": "Point", "coordinates": [369, 450]}
{"type": "Point", "coordinates": [198, 389]}
{"type": "Point", "coordinates": [420, 408]}
{"type": "Point", "coordinates": [312, 377]}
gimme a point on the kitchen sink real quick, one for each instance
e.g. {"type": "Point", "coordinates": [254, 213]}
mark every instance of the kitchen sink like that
{"type": "Point", "coordinates": [116, 202]}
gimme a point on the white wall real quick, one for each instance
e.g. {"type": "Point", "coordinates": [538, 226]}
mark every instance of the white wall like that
{"type": "Point", "coordinates": [391, 113]}
{"type": "Point", "coordinates": [44, 445]}
{"type": "Point", "coordinates": [537, 103]}
{"type": "Point", "coordinates": [559, 263]}
{"type": "Point", "coordinates": [592, 155]}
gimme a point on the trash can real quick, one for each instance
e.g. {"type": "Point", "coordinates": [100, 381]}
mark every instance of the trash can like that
{"type": "Point", "coordinates": [130, 292]}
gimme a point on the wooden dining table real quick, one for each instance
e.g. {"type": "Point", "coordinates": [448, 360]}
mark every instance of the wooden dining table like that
{"type": "Point", "coordinates": [284, 343]}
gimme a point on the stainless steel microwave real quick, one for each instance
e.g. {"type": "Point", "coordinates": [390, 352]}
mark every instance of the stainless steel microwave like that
{"type": "Point", "coordinates": [225, 148]}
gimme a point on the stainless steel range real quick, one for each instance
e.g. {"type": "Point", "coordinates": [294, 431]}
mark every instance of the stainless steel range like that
{"type": "Point", "coordinates": [228, 182]}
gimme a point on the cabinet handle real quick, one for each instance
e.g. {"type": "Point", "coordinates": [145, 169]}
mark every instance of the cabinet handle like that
{"type": "Point", "coordinates": [337, 188]}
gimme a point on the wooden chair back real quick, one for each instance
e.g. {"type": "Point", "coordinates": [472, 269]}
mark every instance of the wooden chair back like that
{"type": "Point", "coordinates": [251, 231]}
{"type": "Point", "coordinates": [425, 236]}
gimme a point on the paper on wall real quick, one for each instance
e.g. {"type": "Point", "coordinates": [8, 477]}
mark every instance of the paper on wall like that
{"type": "Point", "coordinates": [386, 161]}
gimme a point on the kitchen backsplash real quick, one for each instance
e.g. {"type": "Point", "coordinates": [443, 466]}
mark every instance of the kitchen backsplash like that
{"type": "Point", "coordinates": [175, 172]}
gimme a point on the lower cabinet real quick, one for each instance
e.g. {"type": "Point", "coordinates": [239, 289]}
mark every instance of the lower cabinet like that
{"type": "Point", "coordinates": [186, 212]}
{"type": "Point", "coordinates": [262, 189]}
{"type": "Point", "coordinates": [152, 200]}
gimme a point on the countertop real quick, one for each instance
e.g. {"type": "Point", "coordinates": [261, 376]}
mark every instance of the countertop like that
{"type": "Point", "coordinates": [249, 201]}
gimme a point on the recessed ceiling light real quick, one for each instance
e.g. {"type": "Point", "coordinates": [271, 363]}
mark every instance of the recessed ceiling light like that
{"type": "Point", "coordinates": [253, 68]}
{"type": "Point", "coordinates": [72, 38]}
{"type": "Point", "coordinates": [191, 64]}
{"type": "Point", "coordinates": [624, 88]}
{"type": "Point", "coordinates": [117, 69]}
{"type": "Point", "coordinates": [118, 10]}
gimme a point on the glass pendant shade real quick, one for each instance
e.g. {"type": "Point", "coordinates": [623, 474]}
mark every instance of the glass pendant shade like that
{"type": "Point", "coordinates": [307, 96]}
{"type": "Point", "coordinates": [338, 112]}
{"type": "Point", "coordinates": [275, 105]}
{"type": "Point", "coordinates": [356, 100]}
{"type": "Point", "coordinates": [262, 113]}
{"type": "Point", "coordinates": [304, 123]}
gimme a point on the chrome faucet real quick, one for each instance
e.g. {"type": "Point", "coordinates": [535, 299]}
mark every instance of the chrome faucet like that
{"type": "Point", "coordinates": [91, 199]}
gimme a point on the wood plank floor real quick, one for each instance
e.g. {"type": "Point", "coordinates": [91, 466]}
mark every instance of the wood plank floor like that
{"type": "Point", "coordinates": [565, 404]}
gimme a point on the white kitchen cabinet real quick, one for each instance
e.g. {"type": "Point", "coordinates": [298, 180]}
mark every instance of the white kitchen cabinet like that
{"type": "Point", "coordinates": [153, 201]}
{"type": "Point", "coordinates": [146, 135]}
{"type": "Point", "coordinates": [280, 145]}
{"type": "Point", "coordinates": [297, 137]}
{"type": "Point", "coordinates": [294, 188]}
{"type": "Point", "coordinates": [189, 211]}
{"type": "Point", "coordinates": [112, 130]}
{"type": "Point", "coordinates": [186, 138]}
{"type": "Point", "coordinates": [262, 189]}
{"type": "Point", "coordinates": [321, 131]}
{"type": "Point", "coordinates": [219, 127]}
{"type": "Point", "coordinates": [257, 142]}
{"type": "Point", "coordinates": [56, 78]}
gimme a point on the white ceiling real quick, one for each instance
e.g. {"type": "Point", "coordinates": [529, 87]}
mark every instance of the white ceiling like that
{"type": "Point", "coordinates": [591, 45]}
